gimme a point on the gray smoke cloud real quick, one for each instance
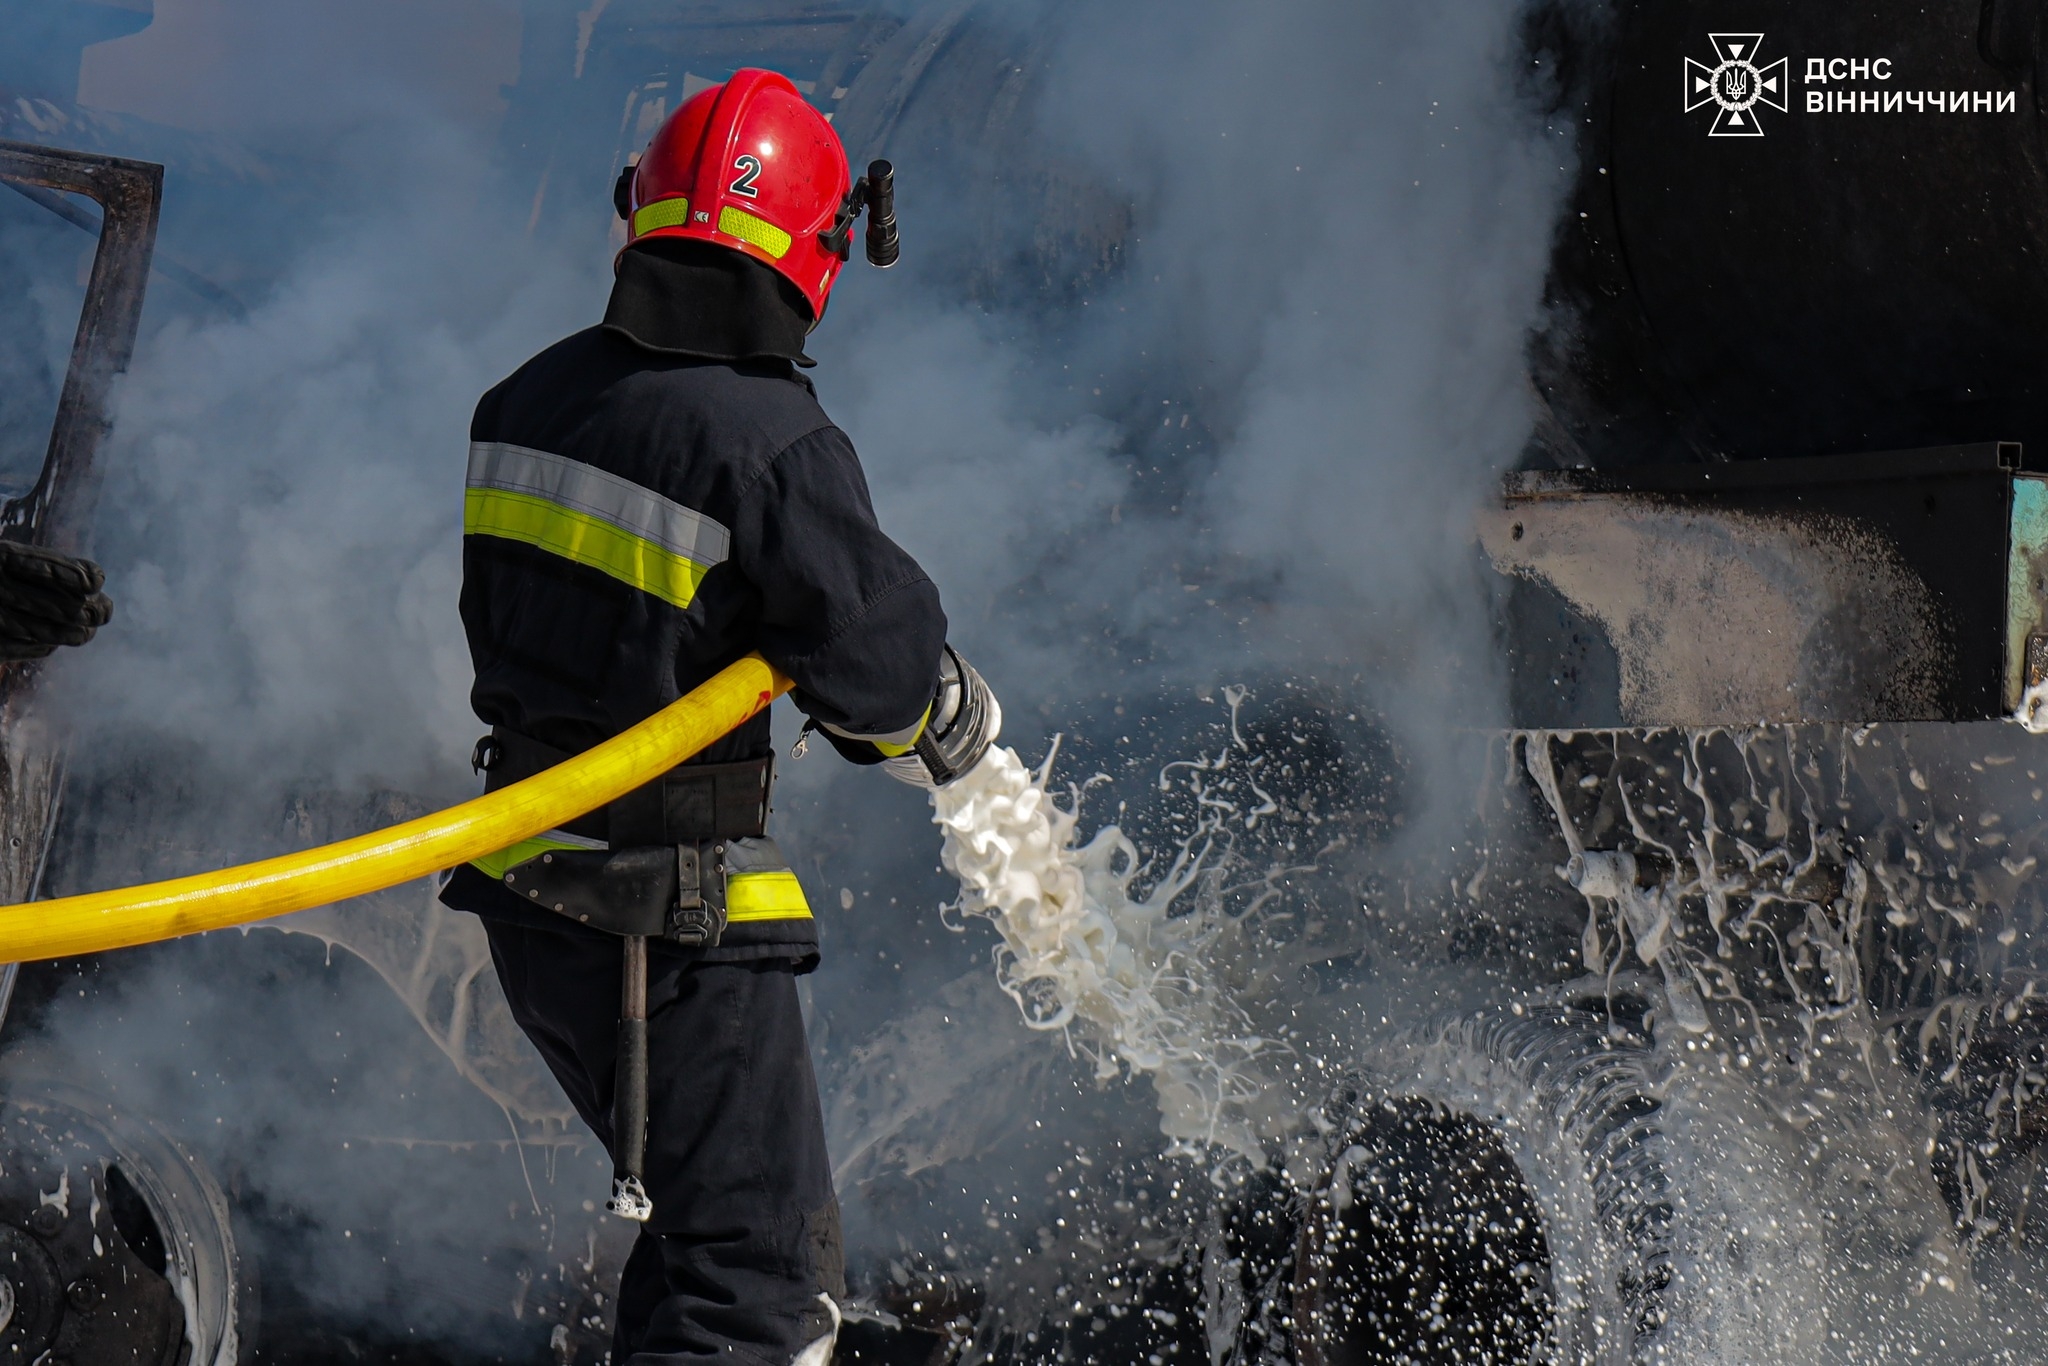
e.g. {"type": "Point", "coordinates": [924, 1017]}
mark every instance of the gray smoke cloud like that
{"type": "Point", "coordinates": [283, 516]}
{"type": "Point", "coordinates": [1254, 445]}
{"type": "Point", "coordinates": [1254, 451]}
{"type": "Point", "coordinates": [1343, 219]}
{"type": "Point", "coordinates": [1343, 258]}
{"type": "Point", "coordinates": [1349, 214]}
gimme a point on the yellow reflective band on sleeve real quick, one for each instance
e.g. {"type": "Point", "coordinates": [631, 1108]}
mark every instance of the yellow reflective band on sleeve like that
{"type": "Point", "coordinates": [892, 749]}
{"type": "Point", "coordinates": [662, 213]}
{"type": "Point", "coordinates": [757, 232]}
{"type": "Point", "coordinates": [585, 539]}
{"type": "Point", "coordinates": [495, 866]}
{"type": "Point", "coordinates": [764, 896]}
{"type": "Point", "coordinates": [892, 744]}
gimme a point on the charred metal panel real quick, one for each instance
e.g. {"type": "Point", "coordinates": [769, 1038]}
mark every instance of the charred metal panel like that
{"type": "Point", "coordinates": [1847, 279]}
{"type": "Point", "coordinates": [1895, 586]}
{"type": "Point", "coordinates": [57, 511]}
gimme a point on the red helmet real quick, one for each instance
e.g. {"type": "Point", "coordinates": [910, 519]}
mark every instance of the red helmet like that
{"type": "Point", "coordinates": [752, 166]}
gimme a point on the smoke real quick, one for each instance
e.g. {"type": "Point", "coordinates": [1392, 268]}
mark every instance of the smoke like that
{"type": "Point", "coordinates": [280, 526]}
{"type": "Point", "coordinates": [282, 522]}
{"type": "Point", "coordinates": [1255, 446]}
{"type": "Point", "coordinates": [1244, 437]}
{"type": "Point", "coordinates": [1349, 215]}
{"type": "Point", "coordinates": [1335, 265]}
{"type": "Point", "coordinates": [1252, 449]}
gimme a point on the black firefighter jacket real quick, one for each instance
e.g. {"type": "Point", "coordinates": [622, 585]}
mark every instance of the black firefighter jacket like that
{"type": "Point", "coordinates": [635, 521]}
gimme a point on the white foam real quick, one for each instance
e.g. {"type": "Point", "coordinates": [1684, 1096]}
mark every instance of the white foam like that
{"type": "Point", "coordinates": [1077, 948]}
{"type": "Point", "coordinates": [2033, 709]}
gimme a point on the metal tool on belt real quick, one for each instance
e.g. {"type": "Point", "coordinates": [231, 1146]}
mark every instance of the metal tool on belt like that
{"type": "Point", "coordinates": [629, 1090]}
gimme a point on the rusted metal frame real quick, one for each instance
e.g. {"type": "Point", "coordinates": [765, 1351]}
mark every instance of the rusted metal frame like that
{"type": "Point", "coordinates": [57, 512]}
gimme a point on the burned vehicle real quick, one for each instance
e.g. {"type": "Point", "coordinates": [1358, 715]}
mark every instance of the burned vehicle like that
{"type": "Point", "coordinates": [1718, 1032]}
{"type": "Point", "coordinates": [1737, 1057]}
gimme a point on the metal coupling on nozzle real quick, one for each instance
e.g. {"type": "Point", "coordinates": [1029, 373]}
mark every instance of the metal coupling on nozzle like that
{"type": "Point", "coordinates": [883, 248]}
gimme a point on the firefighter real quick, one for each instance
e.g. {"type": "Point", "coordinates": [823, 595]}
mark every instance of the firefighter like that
{"type": "Point", "coordinates": [648, 500]}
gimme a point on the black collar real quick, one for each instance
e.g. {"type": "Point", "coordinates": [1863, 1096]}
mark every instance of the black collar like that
{"type": "Point", "coordinates": [686, 298]}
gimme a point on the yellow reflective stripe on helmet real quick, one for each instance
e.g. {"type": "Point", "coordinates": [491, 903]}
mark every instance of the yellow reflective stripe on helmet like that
{"type": "Point", "coordinates": [584, 539]}
{"type": "Point", "coordinates": [662, 213]}
{"type": "Point", "coordinates": [764, 896]}
{"type": "Point", "coordinates": [495, 866]}
{"type": "Point", "coordinates": [757, 232]}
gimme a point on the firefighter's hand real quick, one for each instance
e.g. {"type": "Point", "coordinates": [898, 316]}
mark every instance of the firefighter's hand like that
{"type": "Point", "coordinates": [47, 599]}
{"type": "Point", "coordinates": [965, 720]}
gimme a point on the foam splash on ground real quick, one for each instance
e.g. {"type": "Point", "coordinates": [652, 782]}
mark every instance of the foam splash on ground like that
{"type": "Point", "coordinates": [1855, 920]}
{"type": "Point", "coordinates": [1078, 948]}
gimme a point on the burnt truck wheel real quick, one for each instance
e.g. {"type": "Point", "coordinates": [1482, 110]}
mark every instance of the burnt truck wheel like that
{"type": "Point", "coordinates": [1496, 1193]}
{"type": "Point", "coordinates": [115, 1243]}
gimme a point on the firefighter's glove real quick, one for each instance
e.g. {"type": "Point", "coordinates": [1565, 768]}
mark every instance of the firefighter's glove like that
{"type": "Point", "coordinates": [965, 720]}
{"type": "Point", "coordinates": [47, 599]}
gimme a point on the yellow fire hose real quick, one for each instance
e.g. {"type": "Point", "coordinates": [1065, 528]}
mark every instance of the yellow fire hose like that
{"type": "Point", "coordinates": [368, 863]}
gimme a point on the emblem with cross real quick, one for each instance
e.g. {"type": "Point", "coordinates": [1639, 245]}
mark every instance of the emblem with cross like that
{"type": "Point", "coordinates": [1737, 85]}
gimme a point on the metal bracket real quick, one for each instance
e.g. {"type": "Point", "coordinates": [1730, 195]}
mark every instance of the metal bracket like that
{"type": "Point", "coordinates": [698, 921]}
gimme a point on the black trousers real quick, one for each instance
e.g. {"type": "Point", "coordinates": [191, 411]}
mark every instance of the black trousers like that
{"type": "Point", "coordinates": [745, 1233]}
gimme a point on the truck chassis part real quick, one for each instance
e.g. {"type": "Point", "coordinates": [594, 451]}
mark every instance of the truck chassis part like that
{"type": "Point", "coordinates": [1895, 586]}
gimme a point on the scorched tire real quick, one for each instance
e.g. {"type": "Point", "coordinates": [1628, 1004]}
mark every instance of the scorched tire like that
{"type": "Point", "coordinates": [1496, 1192]}
{"type": "Point", "coordinates": [139, 1234]}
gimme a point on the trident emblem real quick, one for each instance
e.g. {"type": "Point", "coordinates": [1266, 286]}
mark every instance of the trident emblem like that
{"type": "Point", "coordinates": [1737, 85]}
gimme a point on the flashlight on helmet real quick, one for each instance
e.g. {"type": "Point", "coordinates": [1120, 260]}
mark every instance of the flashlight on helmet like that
{"type": "Point", "coordinates": [883, 247]}
{"type": "Point", "coordinates": [874, 192]}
